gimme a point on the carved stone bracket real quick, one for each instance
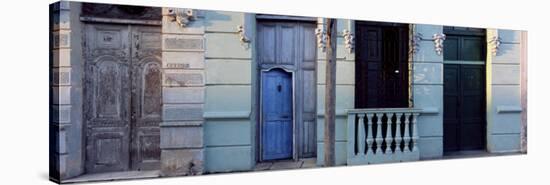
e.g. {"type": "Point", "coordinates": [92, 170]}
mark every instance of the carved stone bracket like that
{"type": "Point", "coordinates": [242, 35]}
{"type": "Point", "coordinates": [438, 42]}
{"type": "Point", "coordinates": [349, 40]}
{"type": "Point", "coordinates": [415, 43]}
{"type": "Point", "coordinates": [182, 16]}
{"type": "Point", "coordinates": [495, 44]}
{"type": "Point", "coordinates": [321, 38]}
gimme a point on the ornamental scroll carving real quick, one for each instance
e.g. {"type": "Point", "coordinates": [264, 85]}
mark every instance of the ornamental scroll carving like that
{"type": "Point", "coordinates": [415, 43]}
{"type": "Point", "coordinates": [321, 38]}
{"type": "Point", "coordinates": [438, 42]}
{"type": "Point", "coordinates": [242, 34]}
{"type": "Point", "coordinates": [349, 40]}
{"type": "Point", "coordinates": [495, 44]}
{"type": "Point", "coordinates": [182, 16]}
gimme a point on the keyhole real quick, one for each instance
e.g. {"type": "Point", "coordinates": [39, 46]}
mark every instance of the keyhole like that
{"type": "Point", "coordinates": [279, 88]}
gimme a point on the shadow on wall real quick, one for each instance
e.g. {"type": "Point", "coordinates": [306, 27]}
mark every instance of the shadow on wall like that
{"type": "Point", "coordinates": [505, 48]}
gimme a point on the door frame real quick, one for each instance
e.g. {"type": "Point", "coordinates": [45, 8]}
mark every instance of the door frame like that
{"type": "Point", "coordinates": [292, 72]}
{"type": "Point", "coordinates": [477, 32]}
{"type": "Point", "coordinates": [255, 20]}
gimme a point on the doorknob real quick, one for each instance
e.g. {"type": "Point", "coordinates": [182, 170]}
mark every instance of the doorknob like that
{"type": "Point", "coordinates": [279, 88]}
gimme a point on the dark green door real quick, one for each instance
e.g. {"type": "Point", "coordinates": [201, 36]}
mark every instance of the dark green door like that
{"type": "Point", "coordinates": [464, 107]}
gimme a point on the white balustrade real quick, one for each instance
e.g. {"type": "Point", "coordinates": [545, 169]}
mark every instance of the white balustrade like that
{"type": "Point", "coordinates": [399, 136]}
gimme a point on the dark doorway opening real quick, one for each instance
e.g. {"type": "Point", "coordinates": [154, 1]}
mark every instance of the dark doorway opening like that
{"type": "Point", "coordinates": [381, 65]}
{"type": "Point", "coordinates": [464, 120]}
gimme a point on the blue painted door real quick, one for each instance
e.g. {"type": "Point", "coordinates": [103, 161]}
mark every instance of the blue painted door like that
{"type": "Point", "coordinates": [277, 115]}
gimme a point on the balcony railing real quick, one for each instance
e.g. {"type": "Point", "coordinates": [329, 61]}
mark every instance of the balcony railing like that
{"type": "Point", "coordinates": [382, 135]}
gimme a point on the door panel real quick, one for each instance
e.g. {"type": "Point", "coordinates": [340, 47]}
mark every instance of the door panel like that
{"type": "Point", "coordinates": [278, 115]}
{"type": "Point", "coordinates": [464, 107]}
{"type": "Point", "coordinates": [107, 98]}
{"type": "Point", "coordinates": [307, 127]}
{"type": "Point", "coordinates": [146, 97]}
{"type": "Point", "coordinates": [122, 97]}
{"type": "Point", "coordinates": [286, 43]}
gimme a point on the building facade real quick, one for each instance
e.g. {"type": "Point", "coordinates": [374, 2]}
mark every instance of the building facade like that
{"type": "Point", "coordinates": [172, 91]}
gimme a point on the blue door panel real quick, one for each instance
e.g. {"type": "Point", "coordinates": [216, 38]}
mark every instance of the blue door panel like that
{"type": "Point", "coordinates": [277, 115]}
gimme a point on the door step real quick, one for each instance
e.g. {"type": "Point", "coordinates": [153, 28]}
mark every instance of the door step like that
{"type": "Point", "coordinates": [125, 175]}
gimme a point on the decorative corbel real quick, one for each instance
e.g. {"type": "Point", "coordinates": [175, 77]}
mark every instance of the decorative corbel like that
{"type": "Point", "coordinates": [495, 44]}
{"type": "Point", "coordinates": [415, 43]}
{"type": "Point", "coordinates": [321, 38]}
{"type": "Point", "coordinates": [438, 42]}
{"type": "Point", "coordinates": [242, 35]}
{"type": "Point", "coordinates": [182, 17]}
{"type": "Point", "coordinates": [349, 40]}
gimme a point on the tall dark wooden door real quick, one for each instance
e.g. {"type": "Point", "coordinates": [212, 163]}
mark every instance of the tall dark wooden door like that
{"type": "Point", "coordinates": [292, 45]}
{"type": "Point", "coordinates": [277, 114]}
{"type": "Point", "coordinates": [381, 65]}
{"type": "Point", "coordinates": [122, 97]}
{"type": "Point", "coordinates": [464, 107]}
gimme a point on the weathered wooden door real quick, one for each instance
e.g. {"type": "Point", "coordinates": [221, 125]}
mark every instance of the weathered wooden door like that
{"type": "Point", "coordinates": [146, 97]}
{"type": "Point", "coordinates": [292, 45]}
{"type": "Point", "coordinates": [381, 65]}
{"type": "Point", "coordinates": [464, 107]}
{"type": "Point", "coordinates": [122, 97]}
{"type": "Point", "coordinates": [277, 114]}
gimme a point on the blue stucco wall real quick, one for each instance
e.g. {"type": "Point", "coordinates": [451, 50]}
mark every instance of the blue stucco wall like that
{"type": "Point", "coordinates": [228, 133]}
{"type": "Point", "coordinates": [428, 92]}
{"type": "Point", "coordinates": [503, 93]}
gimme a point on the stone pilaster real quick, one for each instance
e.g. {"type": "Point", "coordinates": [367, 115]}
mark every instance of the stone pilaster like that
{"type": "Point", "coordinates": [60, 88]}
{"type": "Point", "coordinates": [503, 91]}
{"type": "Point", "coordinates": [427, 88]}
{"type": "Point", "coordinates": [183, 84]}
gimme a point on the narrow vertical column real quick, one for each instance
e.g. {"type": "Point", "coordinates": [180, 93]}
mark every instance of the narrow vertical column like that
{"type": "Point", "coordinates": [181, 133]}
{"type": "Point", "coordinates": [353, 139]}
{"type": "Point", "coordinates": [379, 138]}
{"type": "Point", "coordinates": [398, 133]}
{"type": "Point", "coordinates": [330, 94]}
{"type": "Point", "coordinates": [415, 132]}
{"type": "Point", "coordinates": [388, 138]}
{"type": "Point", "coordinates": [370, 136]}
{"type": "Point", "coordinates": [406, 136]}
{"type": "Point", "coordinates": [523, 86]}
{"type": "Point", "coordinates": [361, 135]}
{"type": "Point", "coordinates": [60, 89]}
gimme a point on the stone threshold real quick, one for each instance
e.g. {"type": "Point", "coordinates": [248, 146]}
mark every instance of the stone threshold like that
{"type": "Point", "coordinates": [465, 154]}
{"type": "Point", "coordinates": [286, 164]}
{"type": "Point", "coordinates": [110, 176]}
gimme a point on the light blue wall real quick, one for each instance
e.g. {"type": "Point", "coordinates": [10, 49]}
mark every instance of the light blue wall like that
{"type": "Point", "coordinates": [503, 94]}
{"type": "Point", "coordinates": [428, 92]}
{"type": "Point", "coordinates": [229, 106]}
{"type": "Point", "coordinates": [228, 132]}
